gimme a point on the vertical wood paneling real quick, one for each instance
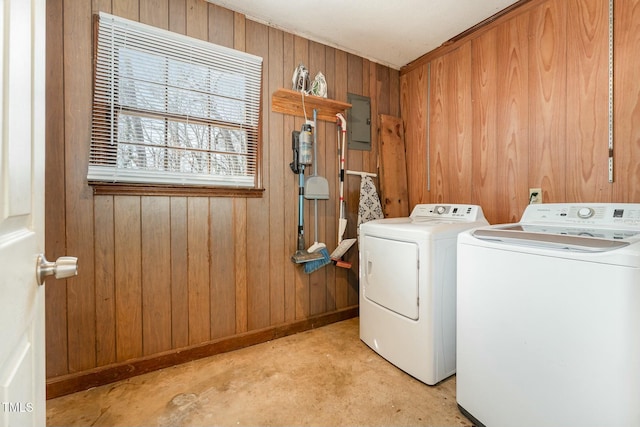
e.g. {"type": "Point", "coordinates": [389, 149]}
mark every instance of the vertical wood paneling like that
{"type": "Point", "coordinates": [221, 26]}
{"type": "Point", "coordinates": [101, 6]}
{"type": "Point", "coordinates": [450, 128]}
{"type": "Point", "coordinates": [197, 19]}
{"type": "Point", "coordinates": [460, 112]}
{"type": "Point", "coordinates": [439, 129]}
{"type": "Point", "coordinates": [587, 101]}
{"type": "Point", "coordinates": [179, 274]}
{"type": "Point", "coordinates": [81, 307]}
{"type": "Point", "coordinates": [105, 281]}
{"type": "Point", "coordinates": [547, 100]}
{"type": "Point", "coordinates": [155, 12]}
{"type": "Point", "coordinates": [540, 107]}
{"type": "Point", "coordinates": [222, 274]}
{"type": "Point", "coordinates": [382, 94]}
{"type": "Point", "coordinates": [198, 267]}
{"type": "Point", "coordinates": [258, 225]}
{"type": "Point", "coordinates": [393, 169]}
{"type": "Point", "coordinates": [394, 93]}
{"type": "Point", "coordinates": [512, 117]}
{"type": "Point", "coordinates": [278, 171]}
{"type": "Point", "coordinates": [485, 148]}
{"type": "Point", "coordinates": [414, 89]}
{"type": "Point", "coordinates": [128, 284]}
{"type": "Point", "coordinates": [55, 245]}
{"type": "Point", "coordinates": [156, 274]}
{"type": "Point", "coordinates": [627, 102]}
{"type": "Point", "coordinates": [379, 86]}
{"type": "Point", "coordinates": [160, 273]}
{"type": "Point", "coordinates": [240, 262]}
{"type": "Point", "coordinates": [129, 9]}
{"type": "Point", "coordinates": [178, 16]}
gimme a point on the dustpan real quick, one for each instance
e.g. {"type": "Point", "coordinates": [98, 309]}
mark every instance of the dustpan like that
{"type": "Point", "coordinates": [316, 188]}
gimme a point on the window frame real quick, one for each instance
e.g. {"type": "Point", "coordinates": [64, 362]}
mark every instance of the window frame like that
{"type": "Point", "coordinates": [173, 187]}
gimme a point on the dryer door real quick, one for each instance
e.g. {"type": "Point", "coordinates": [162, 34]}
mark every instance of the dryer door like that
{"type": "Point", "coordinates": [391, 277]}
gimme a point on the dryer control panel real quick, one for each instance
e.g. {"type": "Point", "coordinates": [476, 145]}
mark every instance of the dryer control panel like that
{"type": "Point", "coordinates": [468, 213]}
{"type": "Point", "coordinates": [596, 214]}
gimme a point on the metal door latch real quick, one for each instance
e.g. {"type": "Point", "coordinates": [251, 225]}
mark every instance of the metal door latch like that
{"type": "Point", "coordinates": [63, 267]}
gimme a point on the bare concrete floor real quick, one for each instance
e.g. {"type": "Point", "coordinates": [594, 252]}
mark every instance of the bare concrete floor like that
{"type": "Point", "coordinates": [323, 377]}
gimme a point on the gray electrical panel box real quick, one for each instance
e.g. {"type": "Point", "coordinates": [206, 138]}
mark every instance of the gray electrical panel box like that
{"type": "Point", "coordinates": [359, 122]}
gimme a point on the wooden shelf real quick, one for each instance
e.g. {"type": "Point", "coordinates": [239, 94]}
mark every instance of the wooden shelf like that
{"type": "Point", "coordinates": [290, 102]}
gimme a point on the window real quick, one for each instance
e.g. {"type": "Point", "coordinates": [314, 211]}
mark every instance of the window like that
{"type": "Point", "coordinates": [170, 109]}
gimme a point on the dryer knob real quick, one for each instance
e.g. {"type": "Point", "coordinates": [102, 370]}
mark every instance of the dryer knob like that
{"type": "Point", "coordinates": [585, 212]}
{"type": "Point", "coordinates": [440, 210]}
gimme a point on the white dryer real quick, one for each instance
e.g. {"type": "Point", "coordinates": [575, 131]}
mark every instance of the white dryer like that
{"type": "Point", "coordinates": [549, 318]}
{"type": "Point", "coordinates": [408, 287]}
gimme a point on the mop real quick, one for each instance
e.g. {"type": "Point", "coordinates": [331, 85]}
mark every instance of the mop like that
{"type": "Point", "coordinates": [343, 245]}
{"type": "Point", "coordinates": [301, 256]}
{"type": "Point", "coordinates": [317, 188]}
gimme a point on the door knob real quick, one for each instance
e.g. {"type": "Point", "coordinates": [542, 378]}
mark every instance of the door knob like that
{"type": "Point", "coordinates": [63, 267]}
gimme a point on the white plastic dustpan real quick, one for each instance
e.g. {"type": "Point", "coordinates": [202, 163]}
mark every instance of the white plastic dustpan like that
{"type": "Point", "coordinates": [342, 249]}
{"type": "Point", "coordinates": [316, 188]}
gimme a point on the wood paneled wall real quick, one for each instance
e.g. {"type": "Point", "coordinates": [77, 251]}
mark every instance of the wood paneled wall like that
{"type": "Point", "coordinates": [523, 102]}
{"type": "Point", "coordinates": [159, 274]}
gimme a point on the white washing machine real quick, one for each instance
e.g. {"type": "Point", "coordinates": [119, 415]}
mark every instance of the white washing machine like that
{"type": "Point", "coordinates": [408, 287]}
{"type": "Point", "coordinates": [549, 318]}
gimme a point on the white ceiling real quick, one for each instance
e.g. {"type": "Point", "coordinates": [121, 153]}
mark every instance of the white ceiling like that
{"type": "Point", "coordinates": [391, 33]}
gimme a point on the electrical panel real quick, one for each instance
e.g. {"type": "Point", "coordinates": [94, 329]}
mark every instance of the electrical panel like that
{"type": "Point", "coordinates": [359, 122]}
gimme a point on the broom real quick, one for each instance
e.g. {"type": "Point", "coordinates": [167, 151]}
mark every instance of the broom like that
{"type": "Point", "coordinates": [343, 245]}
{"type": "Point", "coordinates": [319, 248]}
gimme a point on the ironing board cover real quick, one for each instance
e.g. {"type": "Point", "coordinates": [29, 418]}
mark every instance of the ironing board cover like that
{"type": "Point", "coordinates": [369, 207]}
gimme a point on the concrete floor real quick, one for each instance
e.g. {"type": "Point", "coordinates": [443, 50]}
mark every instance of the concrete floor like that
{"type": "Point", "coordinates": [323, 377]}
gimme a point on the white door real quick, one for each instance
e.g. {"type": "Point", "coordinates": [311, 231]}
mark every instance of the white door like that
{"type": "Point", "coordinates": [22, 78]}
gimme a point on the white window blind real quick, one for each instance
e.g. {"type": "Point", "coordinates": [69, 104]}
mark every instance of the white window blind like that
{"type": "Point", "coordinates": [170, 109]}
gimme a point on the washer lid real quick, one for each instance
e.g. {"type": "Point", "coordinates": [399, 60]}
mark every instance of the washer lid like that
{"type": "Point", "coordinates": [560, 238]}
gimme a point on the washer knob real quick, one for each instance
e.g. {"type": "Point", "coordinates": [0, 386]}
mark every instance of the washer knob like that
{"type": "Point", "coordinates": [440, 210]}
{"type": "Point", "coordinates": [585, 212]}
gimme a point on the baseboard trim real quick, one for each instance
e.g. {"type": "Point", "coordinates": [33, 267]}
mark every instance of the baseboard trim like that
{"type": "Point", "coordinates": [71, 383]}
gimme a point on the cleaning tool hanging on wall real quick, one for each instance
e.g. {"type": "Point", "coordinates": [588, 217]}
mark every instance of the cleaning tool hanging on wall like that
{"type": "Point", "coordinates": [343, 245]}
{"type": "Point", "coordinates": [301, 255]}
{"type": "Point", "coordinates": [305, 149]}
{"type": "Point", "coordinates": [316, 188]}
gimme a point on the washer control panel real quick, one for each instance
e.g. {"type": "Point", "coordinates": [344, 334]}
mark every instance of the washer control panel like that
{"type": "Point", "coordinates": [600, 214]}
{"type": "Point", "coordinates": [458, 212]}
